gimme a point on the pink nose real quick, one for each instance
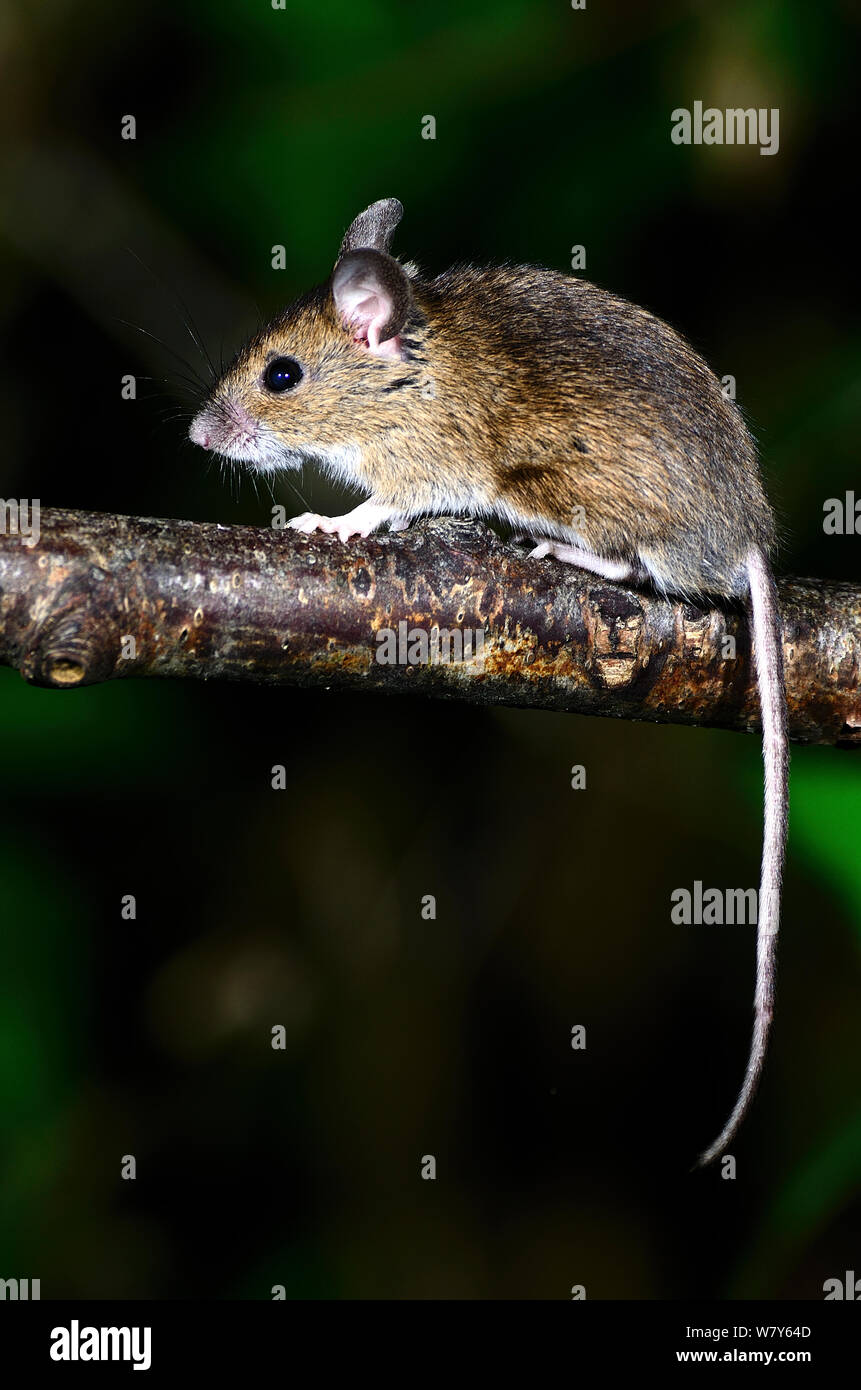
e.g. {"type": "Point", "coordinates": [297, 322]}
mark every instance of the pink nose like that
{"type": "Point", "coordinates": [201, 430]}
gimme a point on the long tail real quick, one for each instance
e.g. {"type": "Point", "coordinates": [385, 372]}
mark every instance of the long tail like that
{"type": "Point", "coordinates": [768, 656]}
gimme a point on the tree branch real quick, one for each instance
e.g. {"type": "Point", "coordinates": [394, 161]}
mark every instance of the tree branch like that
{"type": "Point", "coordinates": [208, 602]}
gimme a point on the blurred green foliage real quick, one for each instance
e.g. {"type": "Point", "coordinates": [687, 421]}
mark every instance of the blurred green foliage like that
{"type": "Point", "coordinates": [258, 126]}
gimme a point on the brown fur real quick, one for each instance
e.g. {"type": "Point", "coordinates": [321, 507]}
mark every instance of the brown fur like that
{"type": "Point", "coordinates": [531, 394]}
{"type": "Point", "coordinates": [567, 411]}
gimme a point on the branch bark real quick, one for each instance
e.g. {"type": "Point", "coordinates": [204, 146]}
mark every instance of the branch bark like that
{"type": "Point", "coordinates": [208, 602]}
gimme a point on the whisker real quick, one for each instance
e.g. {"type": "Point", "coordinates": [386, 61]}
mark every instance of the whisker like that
{"type": "Point", "coordinates": [200, 384]}
{"type": "Point", "coordinates": [185, 315]}
{"type": "Point", "coordinates": [290, 483]}
{"type": "Point", "coordinates": [174, 383]}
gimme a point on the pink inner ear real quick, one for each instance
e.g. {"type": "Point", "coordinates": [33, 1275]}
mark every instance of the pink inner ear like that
{"type": "Point", "coordinates": [366, 311]}
{"type": "Point", "coordinates": [390, 348]}
{"type": "Point", "coordinates": [367, 317]}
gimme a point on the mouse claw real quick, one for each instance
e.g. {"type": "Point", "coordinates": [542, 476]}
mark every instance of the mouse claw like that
{"type": "Point", "coordinates": [361, 521]}
{"type": "Point", "coordinates": [311, 521]}
{"type": "Point", "coordinates": [341, 526]}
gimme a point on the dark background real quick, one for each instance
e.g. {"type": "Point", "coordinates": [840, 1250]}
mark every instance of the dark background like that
{"type": "Point", "coordinates": [408, 1037]}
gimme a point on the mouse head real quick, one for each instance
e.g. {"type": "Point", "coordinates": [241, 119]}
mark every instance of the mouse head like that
{"type": "Point", "coordinates": [325, 376]}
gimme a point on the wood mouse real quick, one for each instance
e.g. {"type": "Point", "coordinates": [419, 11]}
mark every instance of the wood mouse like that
{"type": "Point", "coordinates": [531, 396]}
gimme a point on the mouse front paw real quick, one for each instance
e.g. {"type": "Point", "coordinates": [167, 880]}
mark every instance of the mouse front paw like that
{"type": "Point", "coordinates": [361, 521]}
{"type": "Point", "coordinates": [341, 526]}
{"type": "Point", "coordinates": [312, 521]}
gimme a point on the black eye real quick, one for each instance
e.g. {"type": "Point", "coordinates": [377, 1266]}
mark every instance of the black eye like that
{"type": "Point", "coordinates": [282, 374]}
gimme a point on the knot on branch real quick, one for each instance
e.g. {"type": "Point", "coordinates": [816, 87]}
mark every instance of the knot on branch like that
{"type": "Point", "coordinates": [75, 643]}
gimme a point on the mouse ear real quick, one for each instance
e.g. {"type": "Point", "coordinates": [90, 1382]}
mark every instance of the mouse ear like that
{"type": "Point", "coordinates": [373, 228]}
{"type": "Point", "coordinates": [373, 297]}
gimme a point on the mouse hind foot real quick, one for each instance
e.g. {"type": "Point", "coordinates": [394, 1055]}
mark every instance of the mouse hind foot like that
{"type": "Point", "coordinates": [584, 560]}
